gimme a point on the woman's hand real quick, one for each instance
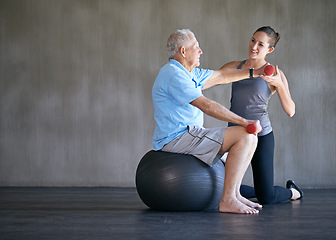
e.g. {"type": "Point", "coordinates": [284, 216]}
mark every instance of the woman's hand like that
{"type": "Point", "coordinates": [275, 79]}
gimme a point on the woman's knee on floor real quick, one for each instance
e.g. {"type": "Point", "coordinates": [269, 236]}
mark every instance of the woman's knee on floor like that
{"type": "Point", "coordinates": [265, 198]}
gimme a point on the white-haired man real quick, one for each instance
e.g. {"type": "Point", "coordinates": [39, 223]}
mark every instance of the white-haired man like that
{"type": "Point", "coordinates": [178, 111]}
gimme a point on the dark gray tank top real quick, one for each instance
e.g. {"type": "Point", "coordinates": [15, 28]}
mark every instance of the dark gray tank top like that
{"type": "Point", "coordinates": [249, 99]}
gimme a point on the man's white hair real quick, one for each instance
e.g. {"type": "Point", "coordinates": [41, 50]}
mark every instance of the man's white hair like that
{"type": "Point", "coordinates": [176, 40]}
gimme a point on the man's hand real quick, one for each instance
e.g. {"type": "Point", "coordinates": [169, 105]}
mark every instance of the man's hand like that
{"type": "Point", "coordinates": [254, 128]}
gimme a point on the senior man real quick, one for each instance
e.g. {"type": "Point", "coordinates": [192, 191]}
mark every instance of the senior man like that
{"type": "Point", "coordinates": [178, 111]}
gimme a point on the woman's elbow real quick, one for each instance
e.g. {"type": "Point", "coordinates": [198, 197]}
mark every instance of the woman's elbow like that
{"type": "Point", "coordinates": [291, 112]}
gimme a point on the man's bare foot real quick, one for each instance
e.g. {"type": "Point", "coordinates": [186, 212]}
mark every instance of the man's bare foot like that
{"type": "Point", "coordinates": [235, 206]}
{"type": "Point", "coordinates": [248, 202]}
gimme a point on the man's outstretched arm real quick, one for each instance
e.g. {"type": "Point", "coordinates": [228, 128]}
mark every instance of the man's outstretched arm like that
{"type": "Point", "coordinates": [228, 74]}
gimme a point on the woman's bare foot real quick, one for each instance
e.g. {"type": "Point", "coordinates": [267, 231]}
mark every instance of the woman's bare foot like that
{"type": "Point", "coordinates": [235, 206]}
{"type": "Point", "coordinates": [248, 202]}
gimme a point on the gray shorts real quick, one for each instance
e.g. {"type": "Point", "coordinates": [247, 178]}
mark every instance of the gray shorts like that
{"type": "Point", "coordinates": [203, 143]}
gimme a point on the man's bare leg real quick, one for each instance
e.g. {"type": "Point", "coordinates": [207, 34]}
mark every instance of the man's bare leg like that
{"type": "Point", "coordinates": [246, 201]}
{"type": "Point", "coordinates": [243, 199]}
{"type": "Point", "coordinates": [241, 147]}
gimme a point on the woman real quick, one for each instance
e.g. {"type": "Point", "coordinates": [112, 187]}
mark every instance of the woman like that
{"type": "Point", "coordinates": [250, 100]}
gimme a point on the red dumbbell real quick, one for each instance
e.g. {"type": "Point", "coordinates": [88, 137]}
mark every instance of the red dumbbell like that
{"type": "Point", "coordinates": [253, 128]}
{"type": "Point", "coordinates": [269, 70]}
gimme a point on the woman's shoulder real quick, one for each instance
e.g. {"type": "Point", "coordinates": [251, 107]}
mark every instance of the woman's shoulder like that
{"type": "Point", "coordinates": [233, 64]}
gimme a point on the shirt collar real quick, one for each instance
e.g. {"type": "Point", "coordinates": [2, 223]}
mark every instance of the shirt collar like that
{"type": "Point", "coordinates": [179, 65]}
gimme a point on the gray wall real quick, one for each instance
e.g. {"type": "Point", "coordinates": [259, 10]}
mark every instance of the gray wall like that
{"type": "Point", "coordinates": [76, 78]}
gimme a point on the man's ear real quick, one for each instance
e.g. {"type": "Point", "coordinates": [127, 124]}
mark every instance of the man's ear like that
{"type": "Point", "coordinates": [183, 51]}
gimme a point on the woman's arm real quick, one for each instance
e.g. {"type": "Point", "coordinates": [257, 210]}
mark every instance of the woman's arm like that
{"type": "Point", "coordinates": [279, 83]}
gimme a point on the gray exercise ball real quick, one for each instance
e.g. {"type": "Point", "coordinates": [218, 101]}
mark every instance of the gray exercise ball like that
{"type": "Point", "coordinates": [179, 182]}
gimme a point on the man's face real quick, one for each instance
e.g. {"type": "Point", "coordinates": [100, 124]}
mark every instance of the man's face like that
{"type": "Point", "coordinates": [193, 54]}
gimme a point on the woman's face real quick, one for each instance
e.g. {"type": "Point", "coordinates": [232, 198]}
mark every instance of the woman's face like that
{"type": "Point", "coordinates": [259, 46]}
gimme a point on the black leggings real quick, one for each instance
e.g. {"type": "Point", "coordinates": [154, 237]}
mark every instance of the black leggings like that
{"type": "Point", "coordinates": [263, 175]}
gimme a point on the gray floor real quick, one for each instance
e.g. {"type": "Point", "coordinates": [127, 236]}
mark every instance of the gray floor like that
{"type": "Point", "coordinates": [118, 213]}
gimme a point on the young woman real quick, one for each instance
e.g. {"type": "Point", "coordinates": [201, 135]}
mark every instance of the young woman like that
{"type": "Point", "coordinates": [250, 100]}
